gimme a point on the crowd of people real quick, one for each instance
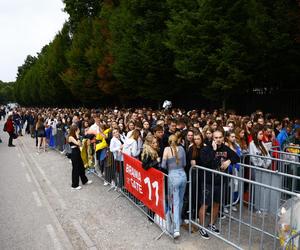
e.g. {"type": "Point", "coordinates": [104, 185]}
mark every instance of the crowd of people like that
{"type": "Point", "coordinates": [170, 140]}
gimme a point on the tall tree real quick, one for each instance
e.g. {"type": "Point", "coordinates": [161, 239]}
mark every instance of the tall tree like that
{"type": "Point", "coordinates": [143, 64]}
{"type": "Point", "coordinates": [81, 9]}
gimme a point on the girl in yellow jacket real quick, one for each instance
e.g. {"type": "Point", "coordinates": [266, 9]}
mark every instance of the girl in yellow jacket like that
{"type": "Point", "coordinates": [101, 149]}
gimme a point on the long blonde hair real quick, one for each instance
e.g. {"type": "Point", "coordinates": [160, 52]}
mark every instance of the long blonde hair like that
{"type": "Point", "coordinates": [173, 142]}
{"type": "Point", "coordinates": [148, 149]}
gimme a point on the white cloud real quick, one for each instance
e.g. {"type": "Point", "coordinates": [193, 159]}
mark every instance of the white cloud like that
{"type": "Point", "coordinates": [26, 26]}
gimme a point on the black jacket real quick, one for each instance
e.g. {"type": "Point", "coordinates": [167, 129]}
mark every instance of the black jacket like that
{"type": "Point", "coordinates": [165, 139]}
{"type": "Point", "coordinates": [148, 162]}
{"type": "Point", "coordinates": [213, 160]}
{"type": "Point", "coordinates": [189, 157]}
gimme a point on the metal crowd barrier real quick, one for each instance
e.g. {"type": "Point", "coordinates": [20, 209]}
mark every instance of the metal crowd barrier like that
{"type": "Point", "coordinates": [113, 173]}
{"type": "Point", "coordinates": [288, 171]}
{"type": "Point", "coordinates": [256, 221]}
{"type": "Point", "coordinates": [284, 155]}
{"type": "Point", "coordinates": [290, 146]}
{"type": "Point", "coordinates": [289, 163]}
{"type": "Point", "coordinates": [243, 217]}
{"type": "Point", "coordinates": [290, 243]}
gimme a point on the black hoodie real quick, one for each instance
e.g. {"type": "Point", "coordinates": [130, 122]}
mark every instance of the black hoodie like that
{"type": "Point", "coordinates": [213, 159]}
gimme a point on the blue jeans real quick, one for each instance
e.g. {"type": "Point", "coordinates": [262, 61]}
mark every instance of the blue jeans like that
{"type": "Point", "coordinates": [176, 185]}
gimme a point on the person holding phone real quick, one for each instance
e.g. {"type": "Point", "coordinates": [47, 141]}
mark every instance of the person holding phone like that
{"type": "Point", "coordinates": [216, 156]}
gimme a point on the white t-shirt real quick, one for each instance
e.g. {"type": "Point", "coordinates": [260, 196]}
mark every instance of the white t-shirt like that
{"type": "Point", "coordinates": [95, 127]}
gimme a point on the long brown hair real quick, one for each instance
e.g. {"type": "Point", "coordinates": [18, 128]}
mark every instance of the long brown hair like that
{"type": "Point", "coordinates": [245, 121]}
{"type": "Point", "coordinates": [205, 129]}
{"type": "Point", "coordinates": [230, 144]}
{"type": "Point", "coordinates": [40, 122]}
{"type": "Point", "coordinates": [258, 143]}
{"type": "Point", "coordinates": [135, 134]}
{"type": "Point", "coordinates": [241, 141]}
{"type": "Point", "coordinates": [72, 131]}
{"type": "Point", "coordinates": [195, 152]}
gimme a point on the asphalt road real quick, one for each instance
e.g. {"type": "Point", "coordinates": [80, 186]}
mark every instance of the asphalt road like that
{"type": "Point", "coordinates": [38, 209]}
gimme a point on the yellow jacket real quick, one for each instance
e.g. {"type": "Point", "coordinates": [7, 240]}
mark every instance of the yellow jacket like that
{"type": "Point", "coordinates": [87, 154]}
{"type": "Point", "coordinates": [101, 142]}
{"type": "Point", "coordinates": [84, 153]}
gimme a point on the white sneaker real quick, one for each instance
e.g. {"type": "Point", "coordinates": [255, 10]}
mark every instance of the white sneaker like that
{"type": "Point", "coordinates": [113, 184]}
{"type": "Point", "coordinates": [77, 188]}
{"type": "Point", "coordinates": [226, 211]}
{"type": "Point", "coordinates": [106, 183]}
{"type": "Point", "coordinates": [234, 209]}
{"type": "Point", "coordinates": [176, 235]}
{"type": "Point", "coordinates": [89, 182]}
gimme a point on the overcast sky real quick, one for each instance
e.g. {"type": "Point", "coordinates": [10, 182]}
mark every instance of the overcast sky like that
{"type": "Point", "coordinates": [26, 26]}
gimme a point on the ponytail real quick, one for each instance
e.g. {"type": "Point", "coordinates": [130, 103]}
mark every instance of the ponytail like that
{"type": "Point", "coordinates": [173, 145]}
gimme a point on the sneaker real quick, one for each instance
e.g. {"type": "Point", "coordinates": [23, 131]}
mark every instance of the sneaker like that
{"type": "Point", "coordinates": [213, 228]}
{"type": "Point", "coordinates": [11, 145]}
{"type": "Point", "coordinates": [176, 235]}
{"type": "Point", "coordinates": [204, 234]}
{"type": "Point", "coordinates": [113, 184]}
{"type": "Point", "coordinates": [222, 216]}
{"type": "Point", "coordinates": [225, 210]}
{"type": "Point", "coordinates": [77, 188]}
{"type": "Point", "coordinates": [106, 183]}
{"type": "Point", "coordinates": [89, 182]}
{"type": "Point", "coordinates": [234, 209]}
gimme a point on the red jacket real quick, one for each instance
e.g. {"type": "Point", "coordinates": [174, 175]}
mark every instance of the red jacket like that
{"type": "Point", "coordinates": [9, 126]}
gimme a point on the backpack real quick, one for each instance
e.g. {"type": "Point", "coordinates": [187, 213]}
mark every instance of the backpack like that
{"type": "Point", "coordinates": [5, 127]}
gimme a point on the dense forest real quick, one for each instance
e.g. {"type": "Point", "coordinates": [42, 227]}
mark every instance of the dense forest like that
{"type": "Point", "coordinates": [144, 51]}
{"type": "Point", "coordinates": [6, 92]}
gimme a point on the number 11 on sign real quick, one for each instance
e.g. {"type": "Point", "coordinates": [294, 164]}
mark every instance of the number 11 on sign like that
{"type": "Point", "coordinates": [155, 186]}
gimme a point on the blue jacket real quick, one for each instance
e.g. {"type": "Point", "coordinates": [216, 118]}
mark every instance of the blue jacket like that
{"type": "Point", "coordinates": [281, 137]}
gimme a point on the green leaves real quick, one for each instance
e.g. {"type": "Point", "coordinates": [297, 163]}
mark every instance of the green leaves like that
{"type": "Point", "coordinates": [119, 51]}
{"type": "Point", "coordinates": [143, 64]}
{"type": "Point", "coordinates": [6, 92]}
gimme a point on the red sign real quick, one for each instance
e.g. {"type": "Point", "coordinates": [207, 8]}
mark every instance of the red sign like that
{"type": "Point", "coordinates": [145, 185]}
